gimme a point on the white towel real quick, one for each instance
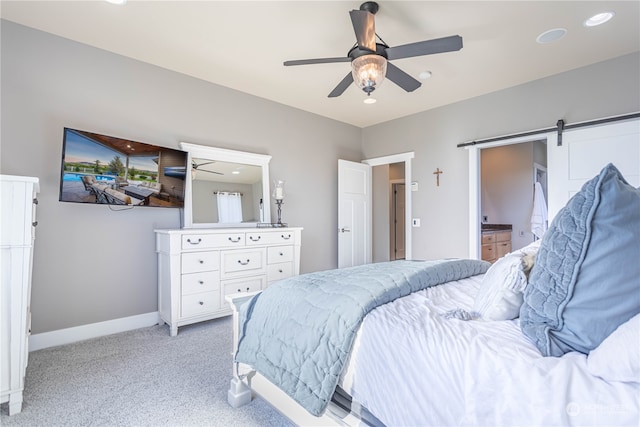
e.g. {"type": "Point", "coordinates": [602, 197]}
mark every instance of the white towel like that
{"type": "Point", "coordinates": [539, 213]}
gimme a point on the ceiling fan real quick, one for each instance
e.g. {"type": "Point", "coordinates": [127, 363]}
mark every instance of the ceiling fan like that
{"type": "Point", "coordinates": [195, 166]}
{"type": "Point", "coordinates": [370, 58]}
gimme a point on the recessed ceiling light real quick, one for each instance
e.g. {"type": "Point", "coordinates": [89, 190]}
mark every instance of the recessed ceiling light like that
{"type": "Point", "coordinates": [116, 1]}
{"type": "Point", "coordinates": [425, 75]}
{"type": "Point", "coordinates": [236, 172]}
{"type": "Point", "coordinates": [551, 35]}
{"type": "Point", "coordinates": [370, 100]}
{"type": "Point", "coordinates": [598, 19]}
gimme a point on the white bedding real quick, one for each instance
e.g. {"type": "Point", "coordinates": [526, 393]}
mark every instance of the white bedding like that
{"type": "Point", "coordinates": [411, 366]}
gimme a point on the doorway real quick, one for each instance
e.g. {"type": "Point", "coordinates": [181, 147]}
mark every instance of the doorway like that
{"type": "Point", "coordinates": [397, 223]}
{"type": "Point", "coordinates": [507, 186]}
{"type": "Point", "coordinates": [374, 239]}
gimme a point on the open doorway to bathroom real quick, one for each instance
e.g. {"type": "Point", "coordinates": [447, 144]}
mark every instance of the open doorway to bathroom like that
{"type": "Point", "coordinates": [508, 174]}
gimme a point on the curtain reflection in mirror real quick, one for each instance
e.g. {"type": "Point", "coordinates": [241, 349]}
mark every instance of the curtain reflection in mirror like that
{"type": "Point", "coordinates": [229, 207]}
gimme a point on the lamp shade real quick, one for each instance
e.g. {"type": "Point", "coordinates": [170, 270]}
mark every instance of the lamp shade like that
{"type": "Point", "coordinates": [368, 71]}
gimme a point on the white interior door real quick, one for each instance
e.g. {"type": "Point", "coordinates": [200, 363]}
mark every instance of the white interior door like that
{"type": "Point", "coordinates": [584, 152]}
{"type": "Point", "coordinates": [354, 213]}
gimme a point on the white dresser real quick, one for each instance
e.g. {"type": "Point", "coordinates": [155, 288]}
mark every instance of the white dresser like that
{"type": "Point", "coordinates": [17, 233]}
{"type": "Point", "coordinates": [197, 268]}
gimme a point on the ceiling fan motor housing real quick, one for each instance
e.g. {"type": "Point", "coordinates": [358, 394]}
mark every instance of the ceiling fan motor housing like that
{"type": "Point", "coordinates": [370, 6]}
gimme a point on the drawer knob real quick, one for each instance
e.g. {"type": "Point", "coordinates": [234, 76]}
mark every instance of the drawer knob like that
{"type": "Point", "coordinates": [201, 302]}
{"type": "Point", "coordinates": [280, 271]}
{"type": "Point", "coordinates": [239, 290]}
{"type": "Point", "coordinates": [194, 242]}
{"type": "Point", "coordinates": [253, 239]}
{"type": "Point", "coordinates": [248, 289]}
{"type": "Point", "coordinates": [34, 223]}
{"type": "Point", "coordinates": [287, 237]}
{"type": "Point", "coordinates": [281, 254]}
{"type": "Point", "coordinates": [234, 241]}
{"type": "Point", "coordinates": [243, 263]}
{"type": "Point", "coordinates": [201, 261]}
{"type": "Point", "coordinates": [201, 282]}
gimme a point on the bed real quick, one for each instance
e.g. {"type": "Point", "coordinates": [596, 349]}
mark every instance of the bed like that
{"type": "Point", "coordinates": [548, 335]}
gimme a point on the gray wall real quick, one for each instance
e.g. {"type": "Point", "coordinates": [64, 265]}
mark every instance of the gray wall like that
{"type": "Point", "coordinates": [93, 263]}
{"type": "Point", "coordinates": [601, 90]}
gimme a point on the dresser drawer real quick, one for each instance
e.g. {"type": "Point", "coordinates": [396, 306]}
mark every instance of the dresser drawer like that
{"type": "Point", "coordinates": [206, 241]}
{"type": "Point", "coordinates": [250, 284]}
{"type": "Point", "coordinates": [488, 238]}
{"type": "Point", "coordinates": [193, 262]}
{"type": "Point", "coordinates": [270, 237]}
{"type": "Point", "coordinates": [489, 252]}
{"type": "Point", "coordinates": [502, 248]}
{"type": "Point", "coordinates": [201, 303]}
{"type": "Point", "coordinates": [200, 282]}
{"type": "Point", "coordinates": [279, 271]}
{"type": "Point", "coordinates": [276, 254]}
{"type": "Point", "coordinates": [503, 236]}
{"type": "Point", "coordinates": [243, 262]}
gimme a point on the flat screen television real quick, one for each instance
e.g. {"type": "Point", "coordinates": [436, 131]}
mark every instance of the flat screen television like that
{"type": "Point", "coordinates": [101, 169]}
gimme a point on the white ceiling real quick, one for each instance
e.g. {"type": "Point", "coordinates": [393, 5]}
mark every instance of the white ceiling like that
{"type": "Point", "coordinates": [242, 45]}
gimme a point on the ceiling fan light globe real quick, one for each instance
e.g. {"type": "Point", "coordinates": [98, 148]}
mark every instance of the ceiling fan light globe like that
{"type": "Point", "coordinates": [368, 71]}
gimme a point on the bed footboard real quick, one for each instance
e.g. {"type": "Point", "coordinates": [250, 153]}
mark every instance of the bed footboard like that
{"type": "Point", "coordinates": [239, 393]}
{"type": "Point", "coordinates": [246, 383]}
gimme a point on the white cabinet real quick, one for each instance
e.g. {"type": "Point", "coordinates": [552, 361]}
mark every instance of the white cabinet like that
{"type": "Point", "coordinates": [197, 268]}
{"type": "Point", "coordinates": [17, 233]}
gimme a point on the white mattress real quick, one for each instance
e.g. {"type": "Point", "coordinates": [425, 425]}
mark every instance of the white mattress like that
{"type": "Point", "coordinates": [410, 366]}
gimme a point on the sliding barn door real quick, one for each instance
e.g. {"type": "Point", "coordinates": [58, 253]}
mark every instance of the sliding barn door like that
{"type": "Point", "coordinates": [584, 152]}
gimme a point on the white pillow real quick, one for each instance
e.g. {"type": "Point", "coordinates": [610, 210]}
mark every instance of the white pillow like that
{"type": "Point", "coordinates": [501, 292]}
{"type": "Point", "coordinates": [617, 358]}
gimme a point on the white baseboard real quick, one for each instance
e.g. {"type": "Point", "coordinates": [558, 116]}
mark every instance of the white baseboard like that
{"type": "Point", "coordinates": [94, 330]}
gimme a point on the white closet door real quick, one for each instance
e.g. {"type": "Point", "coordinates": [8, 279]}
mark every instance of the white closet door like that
{"type": "Point", "coordinates": [584, 152]}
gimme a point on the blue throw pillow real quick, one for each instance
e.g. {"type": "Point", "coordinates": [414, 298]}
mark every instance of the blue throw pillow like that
{"type": "Point", "coordinates": [586, 279]}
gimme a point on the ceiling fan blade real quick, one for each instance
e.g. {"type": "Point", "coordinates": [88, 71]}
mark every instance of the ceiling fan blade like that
{"type": "Point", "coordinates": [204, 170]}
{"type": "Point", "coordinates": [342, 86]}
{"type": "Point", "coordinates": [402, 79]}
{"type": "Point", "coordinates": [427, 47]}
{"type": "Point", "coordinates": [365, 29]}
{"type": "Point", "coordinates": [317, 61]}
{"type": "Point", "coordinates": [197, 165]}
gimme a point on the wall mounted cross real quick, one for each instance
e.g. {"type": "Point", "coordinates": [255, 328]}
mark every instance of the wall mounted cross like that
{"type": "Point", "coordinates": [437, 174]}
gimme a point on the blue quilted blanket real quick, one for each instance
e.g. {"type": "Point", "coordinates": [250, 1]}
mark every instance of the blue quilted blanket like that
{"type": "Point", "coordinates": [299, 331]}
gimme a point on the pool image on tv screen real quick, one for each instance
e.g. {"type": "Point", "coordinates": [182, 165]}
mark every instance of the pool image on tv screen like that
{"type": "Point", "coordinates": [101, 169]}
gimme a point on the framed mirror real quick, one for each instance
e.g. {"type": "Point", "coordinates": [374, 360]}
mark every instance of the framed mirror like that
{"type": "Point", "coordinates": [225, 188]}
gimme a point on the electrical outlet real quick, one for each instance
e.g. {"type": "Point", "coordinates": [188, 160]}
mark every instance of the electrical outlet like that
{"type": "Point", "coordinates": [416, 222]}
